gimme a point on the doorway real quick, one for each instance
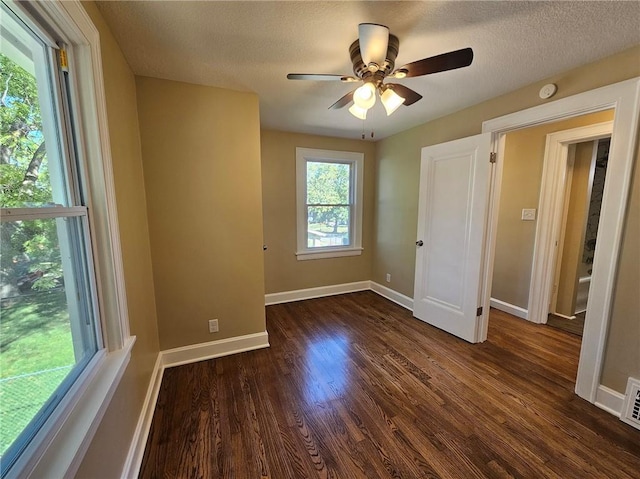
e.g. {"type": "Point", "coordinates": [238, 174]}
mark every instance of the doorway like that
{"type": "Point", "coordinates": [622, 98]}
{"type": "Point", "coordinates": [553, 192]}
{"type": "Point", "coordinates": [535, 166]}
{"type": "Point", "coordinates": [464, 282]}
{"type": "Point", "coordinates": [584, 187]}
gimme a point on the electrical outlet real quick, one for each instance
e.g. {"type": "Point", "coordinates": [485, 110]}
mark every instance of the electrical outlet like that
{"type": "Point", "coordinates": [213, 325]}
{"type": "Point", "coordinates": [388, 278]}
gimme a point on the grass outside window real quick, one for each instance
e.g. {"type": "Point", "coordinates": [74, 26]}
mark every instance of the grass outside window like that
{"type": "Point", "coordinates": [36, 354]}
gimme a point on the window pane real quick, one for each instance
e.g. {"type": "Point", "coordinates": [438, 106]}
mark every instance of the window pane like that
{"type": "Point", "coordinates": [31, 173]}
{"type": "Point", "coordinates": [45, 330]}
{"type": "Point", "coordinates": [328, 183]}
{"type": "Point", "coordinates": [328, 226]}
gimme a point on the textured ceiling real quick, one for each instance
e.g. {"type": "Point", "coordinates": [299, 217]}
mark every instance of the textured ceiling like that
{"type": "Point", "coordinates": [251, 46]}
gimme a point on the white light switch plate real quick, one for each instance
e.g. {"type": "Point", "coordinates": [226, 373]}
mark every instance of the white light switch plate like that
{"type": "Point", "coordinates": [528, 214]}
{"type": "Point", "coordinates": [213, 325]}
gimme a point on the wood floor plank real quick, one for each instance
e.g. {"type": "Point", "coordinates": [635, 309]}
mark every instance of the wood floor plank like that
{"type": "Point", "coordinates": [354, 387]}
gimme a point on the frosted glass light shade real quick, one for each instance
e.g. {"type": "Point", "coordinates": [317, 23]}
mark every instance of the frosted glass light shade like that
{"type": "Point", "coordinates": [358, 112]}
{"type": "Point", "coordinates": [365, 96]}
{"type": "Point", "coordinates": [391, 100]}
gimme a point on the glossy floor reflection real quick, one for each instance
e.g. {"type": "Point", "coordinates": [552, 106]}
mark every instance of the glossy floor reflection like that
{"type": "Point", "coordinates": [327, 357]}
{"type": "Point", "coordinates": [354, 387]}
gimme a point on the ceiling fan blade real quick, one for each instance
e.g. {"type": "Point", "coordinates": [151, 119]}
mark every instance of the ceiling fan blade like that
{"type": "Point", "coordinates": [410, 96]}
{"type": "Point", "coordinates": [439, 63]}
{"type": "Point", "coordinates": [374, 40]}
{"type": "Point", "coordinates": [344, 101]}
{"type": "Point", "coordinates": [321, 77]}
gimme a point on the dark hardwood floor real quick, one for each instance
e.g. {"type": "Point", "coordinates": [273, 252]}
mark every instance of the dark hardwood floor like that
{"type": "Point", "coordinates": [354, 387]}
{"type": "Point", "coordinates": [573, 326]}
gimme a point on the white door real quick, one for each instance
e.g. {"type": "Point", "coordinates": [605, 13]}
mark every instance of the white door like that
{"type": "Point", "coordinates": [452, 218]}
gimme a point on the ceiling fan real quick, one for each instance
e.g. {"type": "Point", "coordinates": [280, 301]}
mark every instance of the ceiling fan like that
{"type": "Point", "coordinates": [373, 56]}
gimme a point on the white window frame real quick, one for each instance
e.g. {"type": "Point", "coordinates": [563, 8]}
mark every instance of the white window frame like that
{"type": "Point", "coordinates": [356, 160]}
{"type": "Point", "coordinates": [59, 446]}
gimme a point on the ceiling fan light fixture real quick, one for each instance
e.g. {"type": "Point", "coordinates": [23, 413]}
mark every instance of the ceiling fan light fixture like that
{"type": "Point", "coordinates": [365, 96]}
{"type": "Point", "coordinates": [360, 113]}
{"type": "Point", "coordinates": [400, 73]}
{"type": "Point", "coordinates": [391, 100]}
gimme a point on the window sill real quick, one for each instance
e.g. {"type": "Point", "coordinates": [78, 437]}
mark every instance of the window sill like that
{"type": "Point", "coordinates": [59, 447]}
{"type": "Point", "coordinates": [333, 253]}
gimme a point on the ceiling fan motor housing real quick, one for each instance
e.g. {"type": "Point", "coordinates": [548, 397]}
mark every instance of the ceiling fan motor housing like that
{"type": "Point", "coordinates": [363, 71]}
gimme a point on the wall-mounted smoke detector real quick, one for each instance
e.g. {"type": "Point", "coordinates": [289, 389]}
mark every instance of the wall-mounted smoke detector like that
{"type": "Point", "coordinates": [548, 90]}
{"type": "Point", "coordinates": [631, 406]}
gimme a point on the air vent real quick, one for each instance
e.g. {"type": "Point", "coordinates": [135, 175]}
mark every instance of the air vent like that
{"type": "Point", "coordinates": [631, 407]}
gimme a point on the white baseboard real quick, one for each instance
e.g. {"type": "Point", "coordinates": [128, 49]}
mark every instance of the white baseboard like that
{"type": "Point", "coordinates": [177, 357]}
{"type": "Point", "coordinates": [322, 291]}
{"type": "Point", "coordinates": [564, 316]}
{"type": "Point", "coordinates": [510, 308]}
{"type": "Point", "coordinates": [310, 293]}
{"type": "Point", "coordinates": [139, 441]}
{"type": "Point", "coordinates": [214, 349]}
{"type": "Point", "coordinates": [224, 347]}
{"type": "Point", "coordinates": [392, 295]}
{"type": "Point", "coordinates": [609, 400]}
{"type": "Point", "coordinates": [606, 398]}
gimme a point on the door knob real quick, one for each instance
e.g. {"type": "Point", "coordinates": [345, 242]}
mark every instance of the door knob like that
{"type": "Point", "coordinates": [419, 243]}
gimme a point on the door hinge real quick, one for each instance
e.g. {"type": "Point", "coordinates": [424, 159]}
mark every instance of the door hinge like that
{"type": "Point", "coordinates": [492, 157]}
{"type": "Point", "coordinates": [479, 311]}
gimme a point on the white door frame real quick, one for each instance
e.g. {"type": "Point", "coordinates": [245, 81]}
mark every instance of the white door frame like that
{"type": "Point", "coordinates": [624, 98]}
{"type": "Point", "coordinates": [550, 213]}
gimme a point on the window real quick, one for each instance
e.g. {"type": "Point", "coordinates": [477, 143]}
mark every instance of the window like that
{"type": "Point", "coordinates": [329, 203]}
{"type": "Point", "coordinates": [52, 346]}
{"type": "Point", "coordinates": [47, 293]}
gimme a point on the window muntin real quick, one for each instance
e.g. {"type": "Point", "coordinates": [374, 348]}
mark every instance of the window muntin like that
{"type": "Point", "coordinates": [329, 185]}
{"type": "Point", "coordinates": [329, 204]}
{"type": "Point", "coordinates": [49, 330]}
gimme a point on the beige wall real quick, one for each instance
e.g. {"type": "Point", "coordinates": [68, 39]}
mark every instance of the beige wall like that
{"type": "Point", "coordinates": [622, 357]}
{"type": "Point", "coordinates": [205, 224]}
{"type": "Point", "coordinates": [398, 166]}
{"type": "Point", "coordinates": [575, 225]}
{"type": "Point", "coordinates": [201, 155]}
{"type": "Point", "coordinates": [108, 450]}
{"type": "Point", "coordinates": [521, 181]}
{"type": "Point", "coordinates": [283, 272]}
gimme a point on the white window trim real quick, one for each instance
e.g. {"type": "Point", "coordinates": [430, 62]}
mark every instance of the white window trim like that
{"type": "Point", "coordinates": [303, 155]}
{"type": "Point", "coordinates": [58, 448]}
